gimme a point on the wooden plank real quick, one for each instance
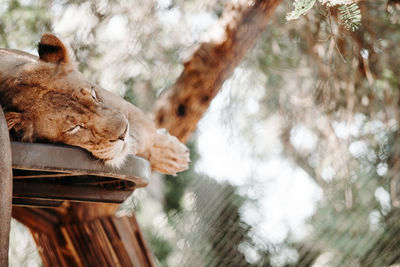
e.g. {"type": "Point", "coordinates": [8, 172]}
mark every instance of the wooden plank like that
{"type": "Point", "coordinates": [98, 241]}
{"type": "Point", "coordinates": [69, 246]}
{"type": "Point", "coordinates": [107, 246]}
{"type": "Point", "coordinates": [51, 175]}
{"type": "Point", "coordinates": [38, 203]}
{"type": "Point", "coordinates": [92, 257]}
{"type": "Point", "coordinates": [141, 240]}
{"type": "Point", "coordinates": [132, 245]}
{"type": "Point", "coordinates": [42, 241]}
{"type": "Point", "coordinates": [115, 240]}
{"type": "Point", "coordinates": [83, 193]}
{"type": "Point", "coordinates": [47, 246]}
{"type": "Point", "coordinates": [79, 244]}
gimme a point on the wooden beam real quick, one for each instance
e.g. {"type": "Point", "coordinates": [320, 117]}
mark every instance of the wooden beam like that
{"type": "Point", "coordinates": [41, 203]}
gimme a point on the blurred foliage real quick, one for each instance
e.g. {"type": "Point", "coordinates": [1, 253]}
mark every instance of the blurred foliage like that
{"type": "Point", "coordinates": [175, 186]}
{"type": "Point", "coordinates": [161, 248]}
{"type": "Point", "coordinates": [209, 230]}
{"type": "Point", "coordinates": [22, 22]}
{"type": "Point", "coordinates": [341, 88]}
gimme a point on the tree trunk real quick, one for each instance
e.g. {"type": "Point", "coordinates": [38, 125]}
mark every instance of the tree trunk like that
{"type": "Point", "coordinates": [181, 107]}
{"type": "Point", "coordinates": [88, 235]}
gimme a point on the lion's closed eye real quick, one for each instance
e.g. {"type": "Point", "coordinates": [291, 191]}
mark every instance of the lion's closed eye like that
{"type": "Point", "coordinates": [94, 95]}
{"type": "Point", "coordinates": [74, 129]}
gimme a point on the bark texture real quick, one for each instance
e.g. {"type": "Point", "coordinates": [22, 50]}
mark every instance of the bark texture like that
{"type": "Point", "coordinates": [180, 108]}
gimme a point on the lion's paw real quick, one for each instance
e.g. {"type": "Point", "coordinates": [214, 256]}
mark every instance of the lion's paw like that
{"type": "Point", "coordinates": [168, 155]}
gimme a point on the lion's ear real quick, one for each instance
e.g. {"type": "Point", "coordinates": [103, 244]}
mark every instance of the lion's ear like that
{"type": "Point", "coordinates": [51, 49]}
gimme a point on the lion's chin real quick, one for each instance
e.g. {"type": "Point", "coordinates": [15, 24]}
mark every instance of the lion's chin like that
{"type": "Point", "coordinates": [115, 155]}
{"type": "Point", "coordinates": [118, 160]}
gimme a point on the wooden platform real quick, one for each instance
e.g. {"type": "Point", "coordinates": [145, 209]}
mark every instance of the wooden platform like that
{"type": "Point", "coordinates": [46, 175]}
{"type": "Point", "coordinates": [78, 234]}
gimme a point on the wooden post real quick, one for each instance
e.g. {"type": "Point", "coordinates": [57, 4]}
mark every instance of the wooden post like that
{"type": "Point", "coordinates": [65, 238]}
{"type": "Point", "coordinates": [5, 189]}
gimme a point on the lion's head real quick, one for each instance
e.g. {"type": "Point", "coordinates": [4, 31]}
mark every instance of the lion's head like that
{"type": "Point", "coordinates": [46, 98]}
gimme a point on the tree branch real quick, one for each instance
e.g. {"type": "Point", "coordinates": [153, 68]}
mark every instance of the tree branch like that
{"type": "Point", "coordinates": [180, 108]}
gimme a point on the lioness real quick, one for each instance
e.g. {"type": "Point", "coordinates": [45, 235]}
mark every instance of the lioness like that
{"type": "Point", "coordinates": [46, 98]}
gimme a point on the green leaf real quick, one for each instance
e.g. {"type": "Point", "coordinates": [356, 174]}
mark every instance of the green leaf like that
{"type": "Point", "coordinates": [350, 16]}
{"type": "Point", "coordinates": [300, 8]}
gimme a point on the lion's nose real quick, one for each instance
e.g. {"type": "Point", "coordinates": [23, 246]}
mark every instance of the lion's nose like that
{"type": "Point", "coordinates": [122, 136]}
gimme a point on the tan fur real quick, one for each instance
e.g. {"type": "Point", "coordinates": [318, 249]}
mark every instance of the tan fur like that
{"type": "Point", "coordinates": [48, 99]}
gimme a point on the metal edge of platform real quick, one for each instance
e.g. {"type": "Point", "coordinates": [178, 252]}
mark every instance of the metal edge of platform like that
{"type": "Point", "coordinates": [43, 191]}
{"type": "Point", "coordinates": [68, 159]}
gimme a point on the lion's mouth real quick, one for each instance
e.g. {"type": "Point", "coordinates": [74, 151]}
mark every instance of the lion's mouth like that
{"type": "Point", "coordinates": [115, 153]}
